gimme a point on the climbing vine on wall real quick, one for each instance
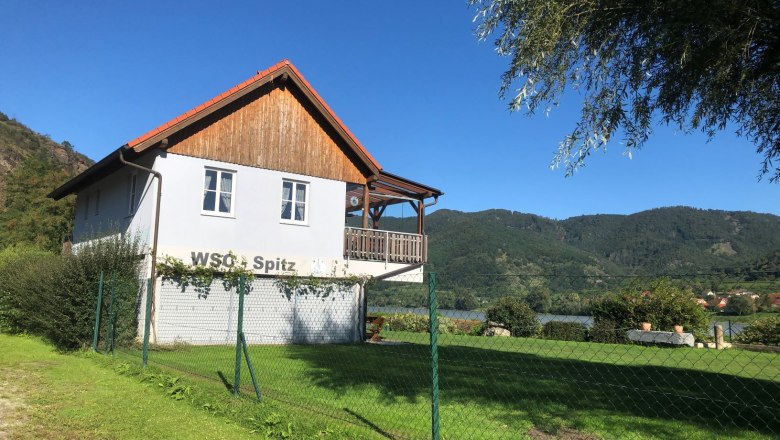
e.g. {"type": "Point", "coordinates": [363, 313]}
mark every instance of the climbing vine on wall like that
{"type": "Point", "coordinates": [201, 277]}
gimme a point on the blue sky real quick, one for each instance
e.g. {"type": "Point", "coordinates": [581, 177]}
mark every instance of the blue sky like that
{"type": "Point", "coordinates": [408, 78]}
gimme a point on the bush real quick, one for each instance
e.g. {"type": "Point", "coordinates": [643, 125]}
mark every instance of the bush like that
{"type": "Point", "coordinates": [28, 289]}
{"type": "Point", "coordinates": [661, 304]}
{"type": "Point", "coordinates": [515, 315]}
{"type": "Point", "coordinates": [565, 331]}
{"type": "Point", "coordinates": [467, 326]}
{"type": "Point", "coordinates": [407, 322]}
{"type": "Point", "coordinates": [762, 331]}
{"type": "Point", "coordinates": [412, 322]}
{"type": "Point", "coordinates": [606, 331]}
{"type": "Point", "coordinates": [54, 296]}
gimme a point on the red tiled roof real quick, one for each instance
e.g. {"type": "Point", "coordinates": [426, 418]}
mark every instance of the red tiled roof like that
{"type": "Point", "coordinates": [261, 76]}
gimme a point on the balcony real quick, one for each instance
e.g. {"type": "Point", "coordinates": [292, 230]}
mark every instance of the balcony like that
{"type": "Point", "coordinates": [389, 247]}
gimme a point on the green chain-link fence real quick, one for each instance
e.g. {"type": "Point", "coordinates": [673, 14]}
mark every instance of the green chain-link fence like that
{"type": "Point", "coordinates": [369, 355]}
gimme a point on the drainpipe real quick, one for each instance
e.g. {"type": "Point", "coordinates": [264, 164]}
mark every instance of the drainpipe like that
{"type": "Point", "coordinates": [153, 251]}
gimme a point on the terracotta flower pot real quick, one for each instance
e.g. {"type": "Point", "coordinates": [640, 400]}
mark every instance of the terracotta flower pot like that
{"type": "Point", "coordinates": [678, 329]}
{"type": "Point", "coordinates": [646, 326]}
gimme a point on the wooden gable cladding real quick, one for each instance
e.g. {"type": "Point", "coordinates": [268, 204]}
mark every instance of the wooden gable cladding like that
{"type": "Point", "coordinates": [273, 128]}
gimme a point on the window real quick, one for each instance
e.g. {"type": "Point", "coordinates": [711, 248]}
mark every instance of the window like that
{"type": "Point", "coordinates": [295, 197]}
{"type": "Point", "coordinates": [86, 206]}
{"type": "Point", "coordinates": [131, 193]}
{"type": "Point", "coordinates": [97, 202]}
{"type": "Point", "coordinates": [218, 188]}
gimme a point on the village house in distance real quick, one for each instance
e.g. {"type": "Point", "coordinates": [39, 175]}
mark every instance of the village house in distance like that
{"type": "Point", "coordinates": [267, 171]}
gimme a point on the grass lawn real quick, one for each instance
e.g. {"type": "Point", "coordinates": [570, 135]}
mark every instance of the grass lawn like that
{"type": "Point", "coordinates": [496, 388]}
{"type": "Point", "coordinates": [47, 395]}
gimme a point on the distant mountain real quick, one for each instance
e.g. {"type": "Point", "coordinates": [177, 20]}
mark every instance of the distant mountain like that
{"type": "Point", "coordinates": [571, 255]}
{"type": "Point", "coordinates": [31, 165]}
{"type": "Point", "coordinates": [19, 143]}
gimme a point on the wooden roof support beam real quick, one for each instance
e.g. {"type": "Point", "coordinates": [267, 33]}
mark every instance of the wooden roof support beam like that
{"type": "Point", "coordinates": [376, 214]}
{"type": "Point", "coordinates": [420, 217]}
{"type": "Point", "coordinates": [366, 205]}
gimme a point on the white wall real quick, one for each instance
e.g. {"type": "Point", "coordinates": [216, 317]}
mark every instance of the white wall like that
{"type": "Point", "coordinates": [271, 316]}
{"type": "Point", "coordinates": [256, 223]}
{"type": "Point", "coordinates": [113, 216]}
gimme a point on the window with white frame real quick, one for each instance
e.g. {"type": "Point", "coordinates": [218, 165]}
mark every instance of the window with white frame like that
{"type": "Point", "coordinates": [132, 193]}
{"type": "Point", "coordinates": [218, 190]}
{"type": "Point", "coordinates": [295, 198]}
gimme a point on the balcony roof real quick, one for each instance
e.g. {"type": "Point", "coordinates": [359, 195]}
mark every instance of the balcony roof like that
{"type": "Point", "coordinates": [389, 189]}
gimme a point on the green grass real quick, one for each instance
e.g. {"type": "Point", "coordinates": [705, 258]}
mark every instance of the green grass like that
{"type": "Point", "coordinates": [505, 387]}
{"type": "Point", "coordinates": [491, 388]}
{"type": "Point", "coordinates": [45, 394]}
{"type": "Point", "coordinates": [51, 395]}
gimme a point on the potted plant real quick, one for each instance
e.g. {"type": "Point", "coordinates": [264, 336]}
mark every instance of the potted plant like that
{"type": "Point", "coordinates": [646, 326]}
{"type": "Point", "coordinates": [678, 328]}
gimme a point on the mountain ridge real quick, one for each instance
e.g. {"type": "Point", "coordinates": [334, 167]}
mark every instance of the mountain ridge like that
{"type": "Point", "coordinates": [654, 242]}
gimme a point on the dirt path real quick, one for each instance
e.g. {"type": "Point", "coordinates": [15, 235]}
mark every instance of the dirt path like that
{"type": "Point", "coordinates": [12, 406]}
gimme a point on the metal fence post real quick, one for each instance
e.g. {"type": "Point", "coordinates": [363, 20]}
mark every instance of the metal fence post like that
{"type": "Point", "coordinates": [96, 330]}
{"type": "Point", "coordinates": [251, 369]}
{"type": "Point", "coordinates": [239, 331]}
{"type": "Point", "coordinates": [110, 327]}
{"type": "Point", "coordinates": [147, 321]}
{"type": "Point", "coordinates": [434, 331]}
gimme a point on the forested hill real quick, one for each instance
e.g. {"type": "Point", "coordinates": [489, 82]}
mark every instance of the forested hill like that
{"type": "Point", "coordinates": [673, 240]}
{"type": "Point", "coordinates": [31, 165]}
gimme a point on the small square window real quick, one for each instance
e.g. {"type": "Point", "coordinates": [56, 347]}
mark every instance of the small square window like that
{"type": "Point", "coordinates": [218, 190]}
{"type": "Point", "coordinates": [295, 198]}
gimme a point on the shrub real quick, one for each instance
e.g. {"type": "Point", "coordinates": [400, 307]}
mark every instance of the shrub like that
{"type": "Point", "coordinates": [515, 315]}
{"type": "Point", "coordinates": [28, 289]}
{"type": "Point", "coordinates": [607, 332]}
{"type": "Point", "coordinates": [54, 296]}
{"type": "Point", "coordinates": [412, 322]}
{"type": "Point", "coordinates": [407, 322]}
{"type": "Point", "coordinates": [762, 331]}
{"type": "Point", "coordinates": [662, 304]}
{"type": "Point", "coordinates": [667, 306]}
{"type": "Point", "coordinates": [565, 331]}
{"type": "Point", "coordinates": [467, 326]}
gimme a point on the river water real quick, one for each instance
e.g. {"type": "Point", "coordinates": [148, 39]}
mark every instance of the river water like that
{"type": "Point", "coordinates": [736, 327]}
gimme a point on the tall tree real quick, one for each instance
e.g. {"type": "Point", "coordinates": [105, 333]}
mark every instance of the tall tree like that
{"type": "Point", "coordinates": [697, 64]}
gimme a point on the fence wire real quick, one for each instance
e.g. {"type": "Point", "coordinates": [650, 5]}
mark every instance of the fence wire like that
{"type": "Point", "coordinates": [543, 362]}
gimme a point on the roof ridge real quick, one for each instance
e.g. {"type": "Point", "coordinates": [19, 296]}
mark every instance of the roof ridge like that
{"type": "Point", "coordinates": [237, 88]}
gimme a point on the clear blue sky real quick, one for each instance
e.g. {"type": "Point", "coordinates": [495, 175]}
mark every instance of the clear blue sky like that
{"type": "Point", "coordinates": [408, 78]}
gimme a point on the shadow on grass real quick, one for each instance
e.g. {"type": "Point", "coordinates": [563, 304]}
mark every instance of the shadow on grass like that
{"type": "Point", "coordinates": [369, 423]}
{"type": "Point", "coordinates": [223, 379]}
{"type": "Point", "coordinates": [504, 384]}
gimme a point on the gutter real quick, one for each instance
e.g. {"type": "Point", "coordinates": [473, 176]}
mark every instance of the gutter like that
{"type": "Point", "coordinates": [153, 251]}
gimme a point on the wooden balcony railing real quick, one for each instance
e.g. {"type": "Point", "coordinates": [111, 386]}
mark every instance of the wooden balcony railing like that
{"type": "Point", "coordinates": [390, 247]}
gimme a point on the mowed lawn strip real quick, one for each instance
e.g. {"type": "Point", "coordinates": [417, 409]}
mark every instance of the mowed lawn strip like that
{"type": "Point", "coordinates": [510, 387]}
{"type": "Point", "coordinates": [52, 395]}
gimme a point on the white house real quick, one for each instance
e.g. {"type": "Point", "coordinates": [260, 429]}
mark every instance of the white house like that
{"type": "Point", "coordinates": [267, 171]}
